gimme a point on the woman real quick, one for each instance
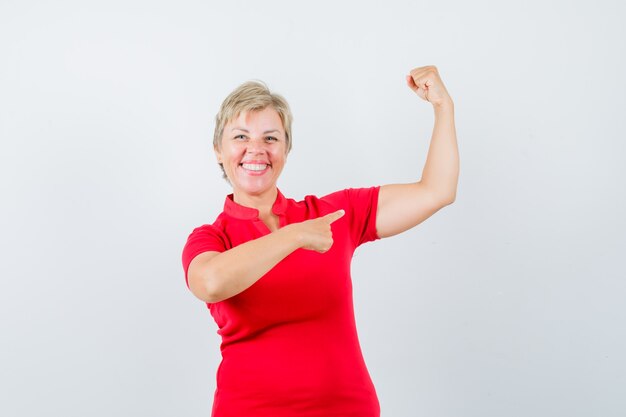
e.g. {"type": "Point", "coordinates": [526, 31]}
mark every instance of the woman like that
{"type": "Point", "coordinates": [275, 273]}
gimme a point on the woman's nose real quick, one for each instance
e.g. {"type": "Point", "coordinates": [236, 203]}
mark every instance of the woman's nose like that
{"type": "Point", "coordinates": [256, 146]}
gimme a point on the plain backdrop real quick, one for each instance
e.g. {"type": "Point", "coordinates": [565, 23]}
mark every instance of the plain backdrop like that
{"type": "Point", "coordinates": [509, 302]}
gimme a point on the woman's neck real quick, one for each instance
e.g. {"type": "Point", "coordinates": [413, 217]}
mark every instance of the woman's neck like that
{"type": "Point", "coordinates": [262, 202]}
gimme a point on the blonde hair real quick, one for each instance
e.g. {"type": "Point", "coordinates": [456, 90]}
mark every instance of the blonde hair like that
{"type": "Point", "coordinates": [251, 96]}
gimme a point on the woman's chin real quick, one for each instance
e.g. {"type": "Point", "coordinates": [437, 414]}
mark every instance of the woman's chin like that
{"type": "Point", "coordinates": [256, 186]}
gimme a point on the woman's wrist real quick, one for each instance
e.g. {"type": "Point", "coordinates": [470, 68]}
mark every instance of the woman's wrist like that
{"type": "Point", "coordinates": [291, 234]}
{"type": "Point", "coordinates": [446, 105]}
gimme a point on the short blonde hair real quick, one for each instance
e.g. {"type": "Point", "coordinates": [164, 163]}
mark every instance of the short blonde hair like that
{"type": "Point", "coordinates": [251, 96]}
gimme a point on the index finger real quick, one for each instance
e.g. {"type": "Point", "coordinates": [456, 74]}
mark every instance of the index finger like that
{"type": "Point", "coordinates": [332, 217]}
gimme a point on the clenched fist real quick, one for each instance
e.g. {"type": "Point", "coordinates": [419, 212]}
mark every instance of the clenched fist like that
{"type": "Point", "coordinates": [427, 84]}
{"type": "Point", "coordinates": [316, 234]}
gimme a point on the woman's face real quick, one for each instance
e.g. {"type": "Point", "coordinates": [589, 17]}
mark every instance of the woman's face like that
{"type": "Point", "coordinates": [253, 151]}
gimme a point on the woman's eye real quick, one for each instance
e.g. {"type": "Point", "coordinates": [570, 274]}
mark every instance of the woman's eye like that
{"type": "Point", "coordinates": [240, 137]}
{"type": "Point", "coordinates": [271, 139]}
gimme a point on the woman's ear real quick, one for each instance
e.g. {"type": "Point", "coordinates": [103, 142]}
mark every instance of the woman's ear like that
{"type": "Point", "coordinates": [218, 154]}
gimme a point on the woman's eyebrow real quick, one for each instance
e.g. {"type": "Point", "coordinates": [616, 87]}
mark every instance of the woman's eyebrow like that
{"type": "Point", "coordinates": [247, 131]}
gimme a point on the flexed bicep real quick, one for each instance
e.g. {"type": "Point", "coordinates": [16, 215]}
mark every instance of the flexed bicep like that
{"type": "Point", "coordinates": [403, 206]}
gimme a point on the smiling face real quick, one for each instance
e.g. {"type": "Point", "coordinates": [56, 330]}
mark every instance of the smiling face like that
{"type": "Point", "coordinates": [253, 152]}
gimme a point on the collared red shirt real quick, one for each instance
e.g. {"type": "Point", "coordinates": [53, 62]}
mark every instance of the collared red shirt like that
{"type": "Point", "coordinates": [289, 342]}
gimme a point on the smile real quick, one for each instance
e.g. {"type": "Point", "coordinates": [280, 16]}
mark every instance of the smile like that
{"type": "Point", "coordinates": [254, 167]}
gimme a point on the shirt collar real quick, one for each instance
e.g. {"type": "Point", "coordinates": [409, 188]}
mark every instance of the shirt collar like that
{"type": "Point", "coordinates": [248, 213]}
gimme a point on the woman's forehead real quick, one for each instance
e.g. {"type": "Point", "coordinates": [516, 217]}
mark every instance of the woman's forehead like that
{"type": "Point", "coordinates": [261, 120]}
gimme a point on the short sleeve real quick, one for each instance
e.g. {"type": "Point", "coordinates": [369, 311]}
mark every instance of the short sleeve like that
{"type": "Point", "coordinates": [360, 205]}
{"type": "Point", "coordinates": [205, 238]}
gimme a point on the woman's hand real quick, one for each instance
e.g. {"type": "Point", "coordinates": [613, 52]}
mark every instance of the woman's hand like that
{"type": "Point", "coordinates": [316, 234]}
{"type": "Point", "coordinates": [427, 84]}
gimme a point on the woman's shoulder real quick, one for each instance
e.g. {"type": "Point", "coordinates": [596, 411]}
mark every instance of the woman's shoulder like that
{"type": "Point", "coordinates": [352, 195]}
{"type": "Point", "coordinates": [210, 229]}
{"type": "Point", "coordinates": [340, 199]}
{"type": "Point", "coordinates": [207, 231]}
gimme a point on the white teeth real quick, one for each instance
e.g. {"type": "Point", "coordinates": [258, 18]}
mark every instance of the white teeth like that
{"type": "Point", "coordinates": [254, 167]}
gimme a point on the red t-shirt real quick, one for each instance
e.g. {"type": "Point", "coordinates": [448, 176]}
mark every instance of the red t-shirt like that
{"type": "Point", "coordinates": [289, 342]}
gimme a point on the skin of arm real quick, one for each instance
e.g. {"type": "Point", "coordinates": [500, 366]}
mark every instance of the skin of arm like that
{"type": "Point", "coordinates": [216, 276]}
{"type": "Point", "coordinates": [403, 206]}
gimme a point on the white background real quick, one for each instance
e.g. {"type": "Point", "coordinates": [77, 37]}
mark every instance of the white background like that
{"type": "Point", "coordinates": [510, 302]}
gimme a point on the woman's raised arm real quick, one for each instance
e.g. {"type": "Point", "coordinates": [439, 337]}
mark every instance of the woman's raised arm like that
{"type": "Point", "coordinates": [403, 206]}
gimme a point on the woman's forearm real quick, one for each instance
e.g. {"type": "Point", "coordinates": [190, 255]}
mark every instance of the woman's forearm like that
{"type": "Point", "coordinates": [441, 170]}
{"type": "Point", "coordinates": [231, 272]}
{"type": "Point", "coordinates": [226, 274]}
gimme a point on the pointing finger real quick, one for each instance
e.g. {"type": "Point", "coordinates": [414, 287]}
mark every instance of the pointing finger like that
{"type": "Point", "coordinates": [332, 217]}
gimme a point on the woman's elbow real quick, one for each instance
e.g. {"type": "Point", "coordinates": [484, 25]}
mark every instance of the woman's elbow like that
{"type": "Point", "coordinates": [204, 286]}
{"type": "Point", "coordinates": [445, 199]}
